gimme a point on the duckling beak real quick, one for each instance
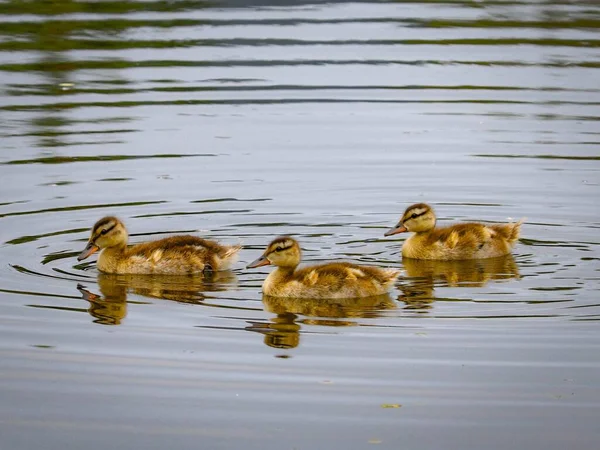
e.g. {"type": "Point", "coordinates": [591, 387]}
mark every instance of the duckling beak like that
{"type": "Point", "coordinates": [262, 261]}
{"type": "Point", "coordinates": [89, 250]}
{"type": "Point", "coordinates": [397, 229]}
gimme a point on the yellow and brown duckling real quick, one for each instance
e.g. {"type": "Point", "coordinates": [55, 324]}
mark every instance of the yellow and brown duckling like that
{"type": "Point", "coordinates": [455, 242]}
{"type": "Point", "coordinates": [333, 280]}
{"type": "Point", "coordinates": [175, 255]}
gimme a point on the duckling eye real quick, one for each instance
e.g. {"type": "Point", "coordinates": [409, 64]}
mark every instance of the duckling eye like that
{"type": "Point", "coordinates": [279, 249]}
{"type": "Point", "coordinates": [413, 216]}
{"type": "Point", "coordinates": [103, 232]}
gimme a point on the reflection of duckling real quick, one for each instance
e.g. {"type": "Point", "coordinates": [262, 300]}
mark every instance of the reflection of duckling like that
{"type": "Point", "coordinates": [334, 308]}
{"type": "Point", "coordinates": [281, 332]}
{"type": "Point", "coordinates": [284, 330]}
{"type": "Point", "coordinates": [334, 280]}
{"type": "Point", "coordinates": [417, 295]}
{"type": "Point", "coordinates": [470, 273]}
{"type": "Point", "coordinates": [180, 288]}
{"type": "Point", "coordinates": [423, 275]}
{"type": "Point", "coordinates": [110, 310]}
{"type": "Point", "coordinates": [111, 307]}
{"type": "Point", "coordinates": [456, 242]}
{"type": "Point", "coordinates": [173, 255]}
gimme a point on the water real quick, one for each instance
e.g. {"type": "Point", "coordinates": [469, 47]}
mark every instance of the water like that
{"type": "Point", "coordinates": [241, 121]}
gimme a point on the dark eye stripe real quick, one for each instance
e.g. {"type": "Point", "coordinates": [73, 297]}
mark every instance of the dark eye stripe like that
{"type": "Point", "coordinates": [414, 215]}
{"type": "Point", "coordinates": [106, 230]}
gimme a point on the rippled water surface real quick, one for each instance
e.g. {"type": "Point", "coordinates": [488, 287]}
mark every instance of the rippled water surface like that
{"type": "Point", "coordinates": [241, 121]}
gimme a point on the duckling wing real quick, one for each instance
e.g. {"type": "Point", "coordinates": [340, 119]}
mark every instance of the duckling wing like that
{"type": "Point", "coordinates": [338, 275]}
{"type": "Point", "coordinates": [181, 254]}
{"type": "Point", "coordinates": [175, 244]}
{"type": "Point", "coordinates": [461, 238]}
{"type": "Point", "coordinates": [329, 273]}
{"type": "Point", "coordinates": [472, 240]}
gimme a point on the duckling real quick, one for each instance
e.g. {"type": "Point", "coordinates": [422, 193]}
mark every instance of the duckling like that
{"type": "Point", "coordinates": [333, 280]}
{"type": "Point", "coordinates": [455, 242]}
{"type": "Point", "coordinates": [175, 255]}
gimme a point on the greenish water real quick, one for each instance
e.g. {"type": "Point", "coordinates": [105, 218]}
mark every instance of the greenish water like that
{"type": "Point", "coordinates": [240, 121]}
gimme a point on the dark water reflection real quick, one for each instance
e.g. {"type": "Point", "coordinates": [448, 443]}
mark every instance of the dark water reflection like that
{"type": "Point", "coordinates": [243, 120]}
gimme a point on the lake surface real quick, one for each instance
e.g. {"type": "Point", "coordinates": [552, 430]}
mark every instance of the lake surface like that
{"type": "Point", "coordinates": [241, 121]}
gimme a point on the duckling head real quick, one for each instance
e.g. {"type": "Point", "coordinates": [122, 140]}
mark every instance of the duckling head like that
{"type": "Point", "coordinates": [107, 232]}
{"type": "Point", "coordinates": [282, 252]}
{"type": "Point", "coordinates": [417, 218]}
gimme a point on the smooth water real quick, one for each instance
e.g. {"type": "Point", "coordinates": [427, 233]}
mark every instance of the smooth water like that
{"type": "Point", "coordinates": [241, 121]}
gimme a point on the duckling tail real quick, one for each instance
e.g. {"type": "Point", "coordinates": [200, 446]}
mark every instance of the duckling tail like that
{"type": "Point", "coordinates": [515, 231]}
{"type": "Point", "coordinates": [390, 276]}
{"type": "Point", "coordinates": [508, 232]}
{"type": "Point", "coordinates": [229, 256]}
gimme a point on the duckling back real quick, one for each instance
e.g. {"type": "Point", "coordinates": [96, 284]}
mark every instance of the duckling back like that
{"type": "Point", "coordinates": [336, 280]}
{"type": "Point", "coordinates": [174, 255]}
{"type": "Point", "coordinates": [463, 241]}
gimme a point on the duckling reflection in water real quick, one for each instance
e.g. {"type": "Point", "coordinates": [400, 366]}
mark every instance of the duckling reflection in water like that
{"type": "Point", "coordinates": [422, 276]}
{"type": "Point", "coordinates": [455, 242]}
{"type": "Point", "coordinates": [334, 308]}
{"type": "Point", "coordinates": [333, 280]}
{"type": "Point", "coordinates": [105, 309]}
{"type": "Point", "coordinates": [111, 307]}
{"type": "Point", "coordinates": [469, 273]}
{"type": "Point", "coordinates": [284, 330]}
{"type": "Point", "coordinates": [173, 255]}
